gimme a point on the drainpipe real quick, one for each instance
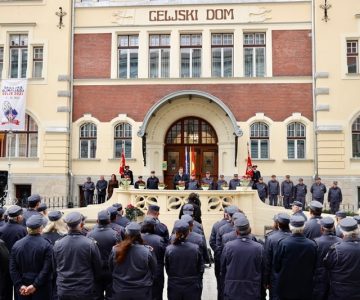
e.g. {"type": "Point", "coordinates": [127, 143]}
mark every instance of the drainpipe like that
{"type": "Point", "coordinates": [313, 46]}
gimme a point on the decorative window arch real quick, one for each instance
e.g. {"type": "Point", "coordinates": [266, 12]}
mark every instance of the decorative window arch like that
{"type": "Point", "coordinates": [122, 138]}
{"type": "Point", "coordinates": [23, 143]}
{"type": "Point", "coordinates": [355, 132]}
{"type": "Point", "coordinates": [259, 140]}
{"type": "Point", "coordinates": [88, 139]}
{"type": "Point", "coordinates": [296, 140]}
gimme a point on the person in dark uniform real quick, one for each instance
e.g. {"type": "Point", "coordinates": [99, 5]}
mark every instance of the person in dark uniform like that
{"type": "Point", "coordinates": [193, 200]}
{"type": "Point", "coordinates": [300, 191]}
{"type": "Point", "coordinates": [334, 197]}
{"type": "Point", "coordinates": [152, 182]}
{"type": "Point", "coordinates": [77, 262]}
{"type": "Point", "coordinates": [159, 246]}
{"type": "Point", "coordinates": [262, 189]}
{"type": "Point", "coordinates": [188, 209]}
{"type": "Point", "coordinates": [255, 175]}
{"type": "Point", "coordinates": [106, 238]}
{"type": "Point", "coordinates": [128, 174]}
{"type": "Point", "coordinates": [101, 186]}
{"type": "Point", "coordinates": [287, 192]}
{"type": "Point", "coordinates": [221, 183]}
{"type": "Point", "coordinates": [113, 184]}
{"type": "Point", "coordinates": [184, 266]}
{"type": "Point", "coordinates": [312, 226]}
{"type": "Point", "coordinates": [242, 265]}
{"type": "Point", "coordinates": [271, 242]}
{"type": "Point", "coordinates": [343, 263]}
{"type": "Point", "coordinates": [33, 204]}
{"type": "Point", "coordinates": [139, 182]}
{"type": "Point", "coordinates": [121, 220]}
{"type": "Point", "coordinates": [160, 228]}
{"type": "Point", "coordinates": [208, 180]}
{"type": "Point", "coordinates": [88, 188]}
{"type": "Point", "coordinates": [55, 228]}
{"type": "Point", "coordinates": [295, 260]}
{"type": "Point", "coordinates": [274, 190]}
{"type": "Point", "coordinates": [30, 263]}
{"type": "Point", "coordinates": [10, 233]}
{"type": "Point", "coordinates": [133, 267]}
{"type": "Point", "coordinates": [296, 208]}
{"type": "Point", "coordinates": [193, 183]}
{"type": "Point", "coordinates": [4, 268]}
{"type": "Point", "coordinates": [235, 182]}
{"type": "Point", "coordinates": [114, 215]}
{"type": "Point", "coordinates": [42, 209]}
{"type": "Point", "coordinates": [181, 178]}
{"type": "Point", "coordinates": [318, 190]}
{"type": "Point", "coordinates": [324, 242]}
{"type": "Point", "coordinates": [339, 215]}
{"type": "Point", "coordinates": [2, 220]}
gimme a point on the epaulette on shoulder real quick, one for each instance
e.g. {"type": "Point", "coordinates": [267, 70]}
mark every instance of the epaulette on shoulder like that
{"type": "Point", "coordinates": [92, 239]}
{"type": "Point", "coordinates": [149, 247]}
{"type": "Point", "coordinates": [332, 247]}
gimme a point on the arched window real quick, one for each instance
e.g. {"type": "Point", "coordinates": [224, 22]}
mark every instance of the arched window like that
{"type": "Point", "coordinates": [23, 143]}
{"type": "Point", "coordinates": [356, 137]}
{"type": "Point", "coordinates": [296, 138]}
{"type": "Point", "coordinates": [88, 134]}
{"type": "Point", "coordinates": [122, 138]}
{"type": "Point", "coordinates": [259, 140]}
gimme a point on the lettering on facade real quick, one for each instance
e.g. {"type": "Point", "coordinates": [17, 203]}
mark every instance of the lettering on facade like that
{"type": "Point", "coordinates": [190, 15]}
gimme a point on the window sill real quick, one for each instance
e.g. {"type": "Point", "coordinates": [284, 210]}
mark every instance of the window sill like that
{"type": "Point", "coordinates": [262, 159]}
{"type": "Point", "coordinates": [20, 159]}
{"type": "Point", "coordinates": [352, 75]}
{"type": "Point", "coordinates": [126, 159]}
{"type": "Point", "coordinates": [355, 159]}
{"type": "Point", "coordinates": [86, 159]}
{"type": "Point", "coordinates": [297, 160]}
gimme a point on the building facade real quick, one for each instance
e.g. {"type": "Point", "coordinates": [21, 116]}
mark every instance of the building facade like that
{"type": "Point", "coordinates": [161, 77]}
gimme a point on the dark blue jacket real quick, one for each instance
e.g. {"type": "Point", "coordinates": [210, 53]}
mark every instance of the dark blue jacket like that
{"type": "Point", "coordinates": [162, 230]}
{"type": "Point", "coordinates": [12, 232]}
{"type": "Point", "coordinates": [274, 187]}
{"type": "Point", "coordinates": [52, 236]}
{"type": "Point", "coordinates": [301, 214]}
{"type": "Point", "coordinates": [158, 244]}
{"type": "Point", "coordinates": [287, 188]}
{"type": "Point", "coordinates": [101, 186]}
{"type": "Point", "coordinates": [77, 261]}
{"type": "Point", "coordinates": [227, 227]}
{"type": "Point", "coordinates": [300, 191]}
{"type": "Point", "coordinates": [183, 177]}
{"type": "Point", "coordinates": [220, 183]}
{"type": "Point", "coordinates": [334, 195]}
{"type": "Point", "coordinates": [193, 185]}
{"type": "Point", "coordinates": [214, 231]}
{"type": "Point", "coordinates": [152, 183]}
{"type": "Point", "coordinates": [234, 183]}
{"type": "Point", "coordinates": [321, 279]}
{"type": "Point", "coordinates": [343, 264]}
{"type": "Point", "coordinates": [312, 228]}
{"type": "Point", "coordinates": [31, 263]}
{"type": "Point", "coordinates": [262, 190]}
{"type": "Point", "coordinates": [241, 269]}
{"type": "Point", "coordinates": [122, 221]}
{"type": "Point", "coordinates": [318, 191]}
{"type": "Point", "coordinates": [295, 260]}
{"type": "Point", "coordinates": [210, 182]}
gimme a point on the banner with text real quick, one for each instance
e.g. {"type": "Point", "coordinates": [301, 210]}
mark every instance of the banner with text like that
{"type": "Point", "coordinates": [12, 104]}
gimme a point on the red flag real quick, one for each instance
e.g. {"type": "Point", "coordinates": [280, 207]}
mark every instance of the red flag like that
{"type": "Point", "coordinates": [122, 162]}
{"type": "Point", "coordinates": [192, 161]}
{"type": "Point", "coordinates": [249, 171]}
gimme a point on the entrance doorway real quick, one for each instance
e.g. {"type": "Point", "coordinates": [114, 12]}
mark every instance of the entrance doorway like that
{"type": "Point", "coordinates": [201, 137]}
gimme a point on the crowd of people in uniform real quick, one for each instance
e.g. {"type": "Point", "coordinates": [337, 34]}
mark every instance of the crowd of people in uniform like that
{"type": "Point", "coordinates": [51, 256]}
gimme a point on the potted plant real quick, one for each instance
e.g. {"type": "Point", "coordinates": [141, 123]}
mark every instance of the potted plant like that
{"type": "Point", "coordinates": [141, 186]}
{"type": "Point", "coordinates": [133, 212]}
{"type": "Point", "coordinates": [161, 186]}
{"type": "Point", "coordinates": [181, 186]}
{"type": "Point", "coordinates": [205, 186]}
{"type": "Point", "coordinates": [225, 187]}
{"type": "Point", "coordinates": [124, 183]}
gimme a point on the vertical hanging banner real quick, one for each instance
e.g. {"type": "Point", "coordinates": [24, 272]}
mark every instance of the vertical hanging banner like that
{"type": "Point", "coordinates": [12, 104]}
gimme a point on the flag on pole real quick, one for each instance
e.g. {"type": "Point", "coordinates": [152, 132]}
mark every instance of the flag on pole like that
{"type": "Point", "coordinates": [122, 162]}
{"type": "Point", "coordinates": [192, 161]}
{"type": "Point", "coordinates": [186, 161]}
{"type": "Point", "coordinates": [249, 171]}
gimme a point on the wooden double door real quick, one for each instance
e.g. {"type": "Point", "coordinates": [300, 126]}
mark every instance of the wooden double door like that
{"type": "Point", "coordinates": [194, 133]}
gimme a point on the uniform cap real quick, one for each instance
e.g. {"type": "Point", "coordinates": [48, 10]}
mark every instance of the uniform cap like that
{"type": "Point", "coordinates": [283, 218]}
{"type": "Point", "coordinates": [42, 207]}
{"type": "Point", "coordinates": [242, 223]}
{"type": "Point", "coordinates": [118, 206]}
{"type": "Point", "coordinates": [14, 211]}
{"type": "Point", "coordinates": [327, 222]}
{"type": "Point", "coordinates": [276, 218]}
{"type": "Point", "coordinates": [133, 228]}
{"type": "Point", "coordinates": [181, 226]}
{"type": "Point", "coordinates": [316, 205]}
{"type": "Point", "coordinates": [348, 224]}
{"type": "Point", "coordinates": [154, 207]}
{"type": "Point", "coordinates": [54, 215]}
{"type": "Point", "coordinates": [188, 209]}
{"type": "Point", "coordinates": [237, 215]}
{"type": "Point", "coordinates": [357, 219]}
{"type": "Point", "coordinates": [103, 215]}
{"type": "Point", "coordinates": [187, 218]}
{"type": "Point", "coordinates": [341, 214]}
{"type": "Point", "coordinates": [297, 203]}
{"type": "Point", "coordinates": [232, 209]}
{"type": "Point", "coordinates": [148, 220]}
{"type": "Point", "coordinates": [73, 218]}
{"type": "Point", "coordinates": [297, 221]}
{"type": "Point", "coordinates": [112, 210]}
{"type": "Point", "coordinates": [35, 221]}
{"type": "Point", "coordinates": [34, 198]}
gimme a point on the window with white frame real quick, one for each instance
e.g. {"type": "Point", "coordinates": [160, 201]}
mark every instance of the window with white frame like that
{"type": "Point", "coordinates": [190, 55]}
{"type": "Point", "coordinates": [356, 138]}
{"type": "Point", "coordinates": [222, 46]}
{"type": "Point", "coordinates": [1, 60]}
{"type": "Point", "coordinates": [259, 140]}
{"type": "Point", "coordinates": [38, 61]}
{"type": "Point", "coordinates": [352, 55]}
{"type": "Point", "coordinates": [159, 56]}
{"type": "Point", "coordinates": [296, 138]}
{"type": "Point", "coordinates": [18, 55]}
{"type": "Point", "coordinates": [128, 56]}
{"type": "Point", "coordinates": [22, 143]}
{"type": "Point", "coordinates": [122, 139]}
{"type": "Point", "coordinates": [254, 54]}
{"type": "Point", "coordinates": [88, 135]}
